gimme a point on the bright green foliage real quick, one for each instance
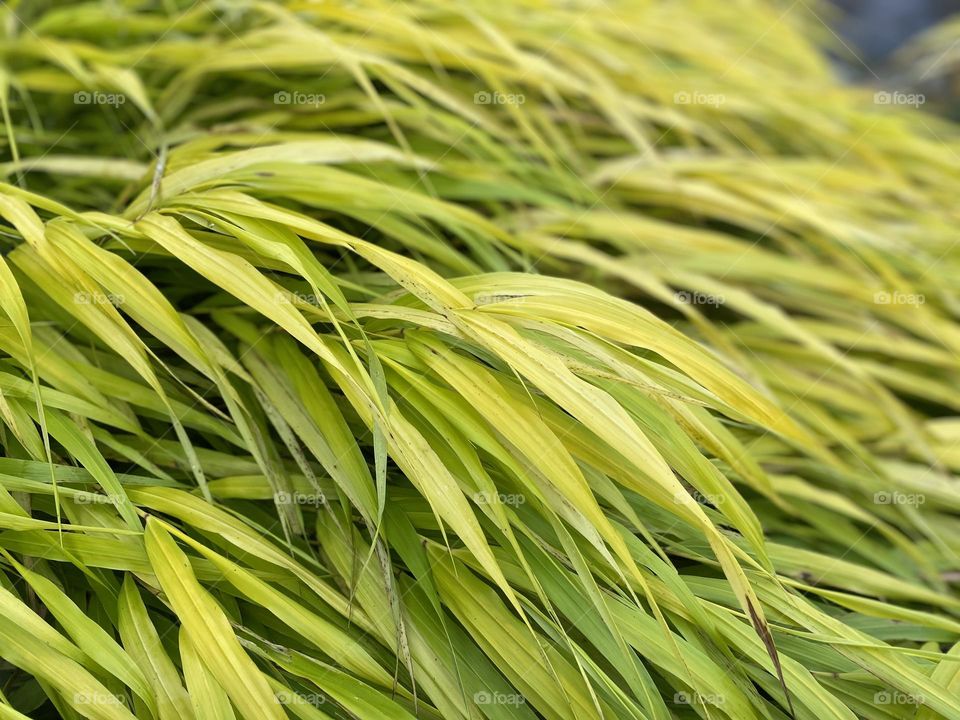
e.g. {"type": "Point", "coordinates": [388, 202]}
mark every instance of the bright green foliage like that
{"type": "Point", "coordinates": [477, 360]}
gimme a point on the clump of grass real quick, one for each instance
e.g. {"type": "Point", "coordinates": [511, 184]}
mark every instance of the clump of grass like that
{"type": "Point", "coordinates": [391, 361]}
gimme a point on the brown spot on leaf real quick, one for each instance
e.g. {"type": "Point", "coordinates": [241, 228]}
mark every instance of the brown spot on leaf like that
{"type": "Point", "coordinates": [764, 632]}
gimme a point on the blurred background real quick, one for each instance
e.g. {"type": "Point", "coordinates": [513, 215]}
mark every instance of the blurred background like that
{"type": "Point", "coordinates": [911, 46]}
{"type": "Point", "coordinates": [877, 28]}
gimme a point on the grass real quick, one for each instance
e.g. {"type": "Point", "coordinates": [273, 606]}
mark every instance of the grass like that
{"type": "Point", "coordinates": [471, 361]}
